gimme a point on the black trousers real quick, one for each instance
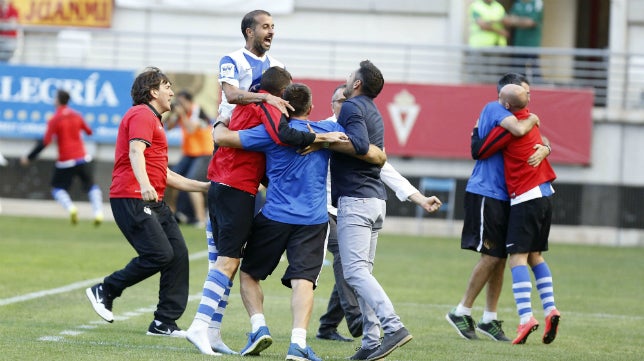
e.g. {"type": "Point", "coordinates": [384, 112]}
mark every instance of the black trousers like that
{"type": "Point", "coordinates": [342, 302]}
{"type": "Point", "coordinates": [152, 231]}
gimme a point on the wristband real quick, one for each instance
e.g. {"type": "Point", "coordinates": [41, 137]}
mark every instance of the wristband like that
{"type": "Point", "coordinates": [217, 123]}
{"type": "Point", "coordinates": [549, 149]}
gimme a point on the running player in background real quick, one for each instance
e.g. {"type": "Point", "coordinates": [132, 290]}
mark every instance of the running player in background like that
{"type": "Point", "coordinates": [73, 161]}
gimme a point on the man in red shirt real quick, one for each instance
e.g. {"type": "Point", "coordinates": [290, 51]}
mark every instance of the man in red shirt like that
{"type": "Point", "coordinates": [8, 32]}
{"type": "Point", "coordinates": [73, 161]}
{"type": "Point", "coordinates": [139, 180]}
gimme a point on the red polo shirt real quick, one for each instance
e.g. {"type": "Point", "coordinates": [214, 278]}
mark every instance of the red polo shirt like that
{"type": "Point", "coordinates": [142, 124]}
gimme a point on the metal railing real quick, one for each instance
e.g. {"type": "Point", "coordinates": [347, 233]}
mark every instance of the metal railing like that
{"type": "Point", "coordinates": [617, 78]}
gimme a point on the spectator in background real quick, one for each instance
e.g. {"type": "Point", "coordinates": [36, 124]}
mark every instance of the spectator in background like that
{"type": "Point", "coordinates": [526, 19]}
{"type": "Point", "coordinates": [8, 32]}
{"type": "Point", "coordinates": [487, 29]}
{"type": "Point", "coordinates": [73, 161]}
{"type": "Point", "coordinates": [196, 147]}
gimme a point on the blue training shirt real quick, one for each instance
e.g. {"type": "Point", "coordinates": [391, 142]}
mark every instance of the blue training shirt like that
{"type": "Point", "coordinates": [296, 192]}
{"type": "Point", "coordinates": [488, 177]}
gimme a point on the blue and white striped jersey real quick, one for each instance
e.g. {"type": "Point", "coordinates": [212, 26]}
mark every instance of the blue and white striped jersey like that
{"type": "Point", "coordinates": [244, 70]}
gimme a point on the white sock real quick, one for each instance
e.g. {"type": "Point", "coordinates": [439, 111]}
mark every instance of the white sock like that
{"type": "Point", "coordinates": [462, 310]}
{"type": "Point", "coordinates": [62, 197]}
{"type": "Point", "coordinates": [256, 321]}
{"type": "Point", "coordinates": [298, 336]}
{"type": "Point", "coordinates": [198, 325]}
{"type": "Point", "coordinates": [488, 316]}
{"type": "Point", "coordinates": [96, 198]}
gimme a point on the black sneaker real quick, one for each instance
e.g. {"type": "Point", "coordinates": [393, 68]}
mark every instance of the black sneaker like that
{"type": "Point", "coordinates": [390, 342]}
{"type": "Point", "coordinates": [100, 302]}
{"type": "Point", "coordinates": [464, 325]}
{"type": "Point", "coordinates": [493, 330]}
{"type": "Point", "coordinates": [363, 353]}
{"type": "Point", "coordinates": [333, 336]}
{"type": "Point", "coordinates": [158, 328]}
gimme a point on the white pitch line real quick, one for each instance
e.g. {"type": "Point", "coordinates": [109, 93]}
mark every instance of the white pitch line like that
{"type": "Point", "coordinates": [71, 287]}
{"type": "Point", "coordinates": [53, 291]}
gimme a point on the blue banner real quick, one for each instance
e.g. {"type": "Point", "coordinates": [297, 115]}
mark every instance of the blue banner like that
{"type": "Point", "coordinates": [27, 99]}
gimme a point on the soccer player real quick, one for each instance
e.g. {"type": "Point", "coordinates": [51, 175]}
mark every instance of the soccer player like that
{"type": "Point", "coordinates": [240, 74]}
{"type": "Point", "coordinates": [65, 126]}
{"type": "Point", "coordinates": [241, 71]}
{"type": "Point", "coordinates": [294, 218]}
{"type": "Point", "coordinates": [235, 176]}
{"type": "Point", "coordinates": [530, 191]}
{"type": "Point", "coordinates": [487, 210]}
{"type": "Point", "coordinates": [139, 179]}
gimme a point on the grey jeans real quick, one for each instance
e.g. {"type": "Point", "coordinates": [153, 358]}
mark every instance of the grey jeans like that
{"type": "Point", "coordinates": [359, 220]}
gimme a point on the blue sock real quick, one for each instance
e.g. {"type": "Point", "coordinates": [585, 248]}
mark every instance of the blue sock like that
{"type": "Point", "coordinates": [212, 248]}
{"type": "Point", "coordinates": [543, 279]}
{"type": "Point", "coordinates": [217, 317]}
{"type": "Point", "coordinates": [213, 290]}
{"type": "Point", "coordinates": [521, 288]}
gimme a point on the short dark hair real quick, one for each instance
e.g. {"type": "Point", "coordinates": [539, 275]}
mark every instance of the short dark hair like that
{"type": "Point", "coordinates": [150, 78]}
{"type": "Point", "coordinates": [299, 97]}
{"type": "Point", "coordinates": [185, 95]}
{"type": "Point", "coordinates": [249, 20]}
{"type": "Point", "coordinates": [371, 77]}
{"type": "Point", "coordinates": [275, 80]}
{"type": "Point", "coordinates": [62, 97]}
{"type": "Point", "coordinates": [511, 78]}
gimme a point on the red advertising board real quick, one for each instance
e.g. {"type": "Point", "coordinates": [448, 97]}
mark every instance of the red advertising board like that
{"type": "Point", "coordinates": [435, 121]}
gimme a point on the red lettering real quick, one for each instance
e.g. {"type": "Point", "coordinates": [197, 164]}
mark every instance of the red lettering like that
{"type": "Point", "coordinates": [30, 14]}
{"type": "Point", "coordinates": [59, 13]}
{"type": "Point", "coordinates": [74, 10]}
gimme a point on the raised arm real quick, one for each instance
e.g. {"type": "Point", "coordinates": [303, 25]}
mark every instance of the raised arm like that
{"type": "Point", "coordinates": [234, 95]}
{"type": "Point", "coordinates": [519, 128]}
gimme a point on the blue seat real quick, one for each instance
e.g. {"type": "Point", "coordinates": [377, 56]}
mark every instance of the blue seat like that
{"type": "Point", "coordinates": [431, 186]}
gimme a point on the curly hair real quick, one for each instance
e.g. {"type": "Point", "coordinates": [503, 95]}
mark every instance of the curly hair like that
{"type": "Point", "coordinates": [150, 78]}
